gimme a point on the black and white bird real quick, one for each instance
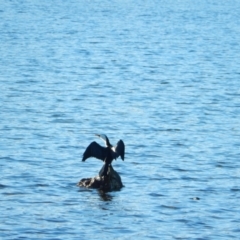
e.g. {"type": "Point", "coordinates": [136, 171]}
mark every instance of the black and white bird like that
{"type": "Point", "coordinates": [106, 154]}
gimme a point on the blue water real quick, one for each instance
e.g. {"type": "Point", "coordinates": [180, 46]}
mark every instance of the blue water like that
{"type": "Point", "coordinates": [162, 75]}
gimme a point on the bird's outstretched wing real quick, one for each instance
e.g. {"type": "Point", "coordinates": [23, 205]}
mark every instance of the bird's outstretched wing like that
{"type": "Point", "coordinates": [119, 150]}
{"type": "Point", "coordinates": [95, 150]}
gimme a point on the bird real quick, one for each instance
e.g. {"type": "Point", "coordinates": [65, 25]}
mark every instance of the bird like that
{"type": "Point", "coordinates": [106, 154]}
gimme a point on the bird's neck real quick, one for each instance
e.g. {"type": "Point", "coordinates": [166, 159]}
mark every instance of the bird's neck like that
{"type": "Point", "coordinates": [108, 143]}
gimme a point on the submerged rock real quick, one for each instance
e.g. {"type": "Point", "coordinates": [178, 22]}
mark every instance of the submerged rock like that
{"type": "Point", "coordinates": [111, 182]}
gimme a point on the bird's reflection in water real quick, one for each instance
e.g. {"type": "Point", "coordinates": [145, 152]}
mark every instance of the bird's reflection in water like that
{"type": "Point", "coordinates": [106, 197]}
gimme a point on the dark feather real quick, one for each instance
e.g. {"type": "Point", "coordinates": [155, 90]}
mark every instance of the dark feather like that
{"type": "Point", "coordinates": [95, 150]}
{"type": "Point", "coordinates": [119, 150]}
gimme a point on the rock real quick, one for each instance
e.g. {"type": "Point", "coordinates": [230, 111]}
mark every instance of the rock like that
{"type": "Point", "coordinates": [111, 182]}
{"type": "Point", "coordinates": [196, 198]}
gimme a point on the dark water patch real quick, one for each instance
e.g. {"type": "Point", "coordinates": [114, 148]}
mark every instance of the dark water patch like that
{"type": "Point", "coordinates": [39, 185]}
{"type": "Point", "coordinates": [170, 207]}
{"type": "Point", "coordinates": [3, 186]}
{"type": "Point", "coordinates": [188, 156]}
{"type": "Point", "coordinates": [169, 130]}
{"type": "Point", "coordinates": [219, 165]}
{"type": "Point", "coordinates": [180, 170]}
{"type": "Point", "coordinates": [58, 115]}
{"type": "Point", "coordinates": [179, 144]}
{"type": "Point", "coordinates": [61, 120]}
{"type": "Point", "coordinates": [40, 202]}
{"type": "Point", "coordinates": [68, 147]}
{"type": "Point", "coordinates": [7, 158]}
{"type": "Point", "coordinates": [155, 178]}
{"type": "Point", "coordinates": [27, 81]}
{"type": "Point", "coordinates": [15, 138]}
{"type": "Point", "coordinates": [56, 220]}
{"type": "Point", "coordinates": [135, 163]}
{"type": "Point", "coordinates": [14, 193]}
{"type": "Point", "coordinates": [156, 195]}
{"type": "Point", "coordinates": [186, 178]}
{"type": "Point", "coordinates": [208, 190]}
{"type": "Point", "coordinates": [42, 135]}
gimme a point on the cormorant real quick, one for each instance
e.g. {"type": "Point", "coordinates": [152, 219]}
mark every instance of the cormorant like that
{"type": "Point", "coordinates": [106, 154]}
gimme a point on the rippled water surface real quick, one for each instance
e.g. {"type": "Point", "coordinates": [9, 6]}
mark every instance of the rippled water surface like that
{"type": "Point", "coordinates": [162, 75]}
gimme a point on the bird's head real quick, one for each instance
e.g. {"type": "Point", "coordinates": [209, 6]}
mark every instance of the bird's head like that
{"type": "Point", "coordinates": [104, 137]}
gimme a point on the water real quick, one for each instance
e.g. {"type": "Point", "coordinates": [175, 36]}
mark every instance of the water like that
{"type": "Point", "coordinates": [161, 75]}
